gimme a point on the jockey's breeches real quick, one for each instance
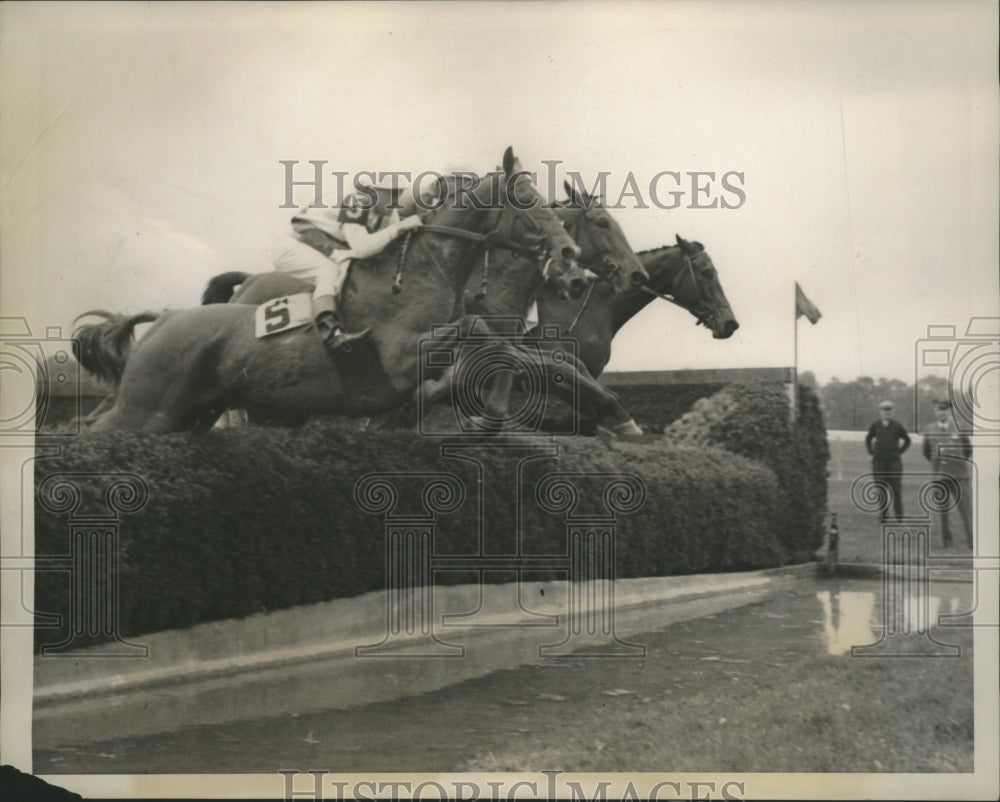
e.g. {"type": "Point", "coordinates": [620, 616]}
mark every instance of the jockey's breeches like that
{"type": "Point", "coordinates": [306, 263]}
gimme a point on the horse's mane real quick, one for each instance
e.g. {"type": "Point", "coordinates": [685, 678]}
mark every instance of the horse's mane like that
{"type": "Point", "coordinates": [657, 249]}
{"type": "Point", "coordinates": [450, 185]}
{"type": "Point", "coordinates": [660, 248]}
{"type": "Point", "coordinates": [590, 202]}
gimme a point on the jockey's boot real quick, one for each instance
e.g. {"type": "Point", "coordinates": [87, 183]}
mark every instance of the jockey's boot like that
{"type": "Point", "coordinates": [331, 328]}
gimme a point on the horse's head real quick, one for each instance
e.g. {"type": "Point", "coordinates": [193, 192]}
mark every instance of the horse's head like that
{"type": "Point", "coordinates": [604, 249]}
{"type": "Point", "coordinates": [529, 221]}
{"type": "Point", "coordinates": [694, 284]}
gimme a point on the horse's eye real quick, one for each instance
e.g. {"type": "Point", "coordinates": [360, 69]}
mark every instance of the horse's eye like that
{"type": "Point", "coordinates": [604, 223]}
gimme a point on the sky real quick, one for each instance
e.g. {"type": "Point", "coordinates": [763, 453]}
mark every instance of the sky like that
{"type": "Point", "coordinates": [142, 147]}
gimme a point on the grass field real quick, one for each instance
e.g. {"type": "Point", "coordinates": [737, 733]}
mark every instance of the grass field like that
{"type": "Point", "coordinates": [860, 532]}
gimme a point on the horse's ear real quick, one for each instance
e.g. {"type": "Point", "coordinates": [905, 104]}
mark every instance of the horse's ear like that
{"type": "Point", "coordinates": [681, 241]}
{"type": "Point", "coordinates": [571, 193]}
{"type": "Point", "coordinates": [509, 161]}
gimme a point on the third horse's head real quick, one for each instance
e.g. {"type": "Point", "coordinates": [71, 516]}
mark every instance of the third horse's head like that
{"type": "Point", "coordinates": [696, 287]}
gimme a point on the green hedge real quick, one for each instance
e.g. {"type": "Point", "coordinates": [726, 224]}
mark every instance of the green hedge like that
{"type": "Point", "coordinates": [654, 407]}
{"type": "Point", "coordinates": [242, 521]}
{"type": "Point", "coordinates": [753, 419]}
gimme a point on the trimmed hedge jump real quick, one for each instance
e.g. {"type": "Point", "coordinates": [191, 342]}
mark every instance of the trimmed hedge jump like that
{"type": "Point", "coordinates": [243, 521]}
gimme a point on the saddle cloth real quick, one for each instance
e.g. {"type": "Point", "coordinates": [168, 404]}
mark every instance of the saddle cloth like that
{"type": "Point", "coordinates": [283, 314]}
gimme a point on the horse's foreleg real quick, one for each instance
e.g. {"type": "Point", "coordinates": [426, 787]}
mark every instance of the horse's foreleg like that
{"type": "Point", "coordinates": [101, 409]}
{"type": "Point", "coordinates": [430, 391]}
{"type": "Point", "coordinates": [467, 330]}
{"type": "Point", "coordinates": [231, 419]}
{"type": "Point", "coordinates": [496, 399]}
{"type": "Point", "coordinates": [496, 362]}
{"type": "Point", "coordinates": [121, 418]}
{"type": "Point", "coordinates": [593, 401]}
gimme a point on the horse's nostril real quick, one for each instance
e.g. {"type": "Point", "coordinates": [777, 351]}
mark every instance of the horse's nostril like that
{"type": "Point", "coordinates": [569, 254]}
{"type": "Point", "coordinates": [576, 287]}
{"type": "Point", "coordinates": [638, 278]}
{"type": "Point", "coordinates": [730, 327]}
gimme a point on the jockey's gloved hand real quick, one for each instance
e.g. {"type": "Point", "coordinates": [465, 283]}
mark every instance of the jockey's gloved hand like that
{"type": "Point", "coordinates": [413, 221]}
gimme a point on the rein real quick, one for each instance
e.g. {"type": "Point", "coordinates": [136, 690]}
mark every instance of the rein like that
{"type": "Point", "coordinates": [489, 240]}
{"type": "Point", "coordinates": [664, 296]}
{"type": "Point", "coordinates": [607, 275]}
{"type": "Point", "coordinates": [579, 313]}
{"type": "Point", "coordinates": [590, 291]}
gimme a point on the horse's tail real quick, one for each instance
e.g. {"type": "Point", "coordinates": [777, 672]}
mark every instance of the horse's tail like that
{"type": "Point", "coordinates": [102, 348]}
{"type": "Point", "coordinates": [220, 288]}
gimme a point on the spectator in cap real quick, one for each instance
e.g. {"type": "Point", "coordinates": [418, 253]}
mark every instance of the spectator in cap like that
{"type": "Point", "coordinates": [886, 441]}
{"type": "Point", "coordinates": [949, 452]}
{"type": "Point", "coordinates": [325, 240]}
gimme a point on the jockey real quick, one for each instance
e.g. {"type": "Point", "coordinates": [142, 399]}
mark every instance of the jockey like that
{"type": "Point", "coordinates": [326, 239]}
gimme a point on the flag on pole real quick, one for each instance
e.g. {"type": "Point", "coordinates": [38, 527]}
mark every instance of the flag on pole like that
{"type": "Point", "coordinates": [803, 306]}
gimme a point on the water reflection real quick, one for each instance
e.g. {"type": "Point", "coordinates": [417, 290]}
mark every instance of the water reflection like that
{"type": "Point", "coordinates": [848, 617]}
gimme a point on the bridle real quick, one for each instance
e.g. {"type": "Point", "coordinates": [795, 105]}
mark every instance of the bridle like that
{"type": "Point", "coordinates": [539, 251]}
{"type": "Point", "coordinates": [704, 317]}
{"type": "Point", "coordinates": [601, 265]}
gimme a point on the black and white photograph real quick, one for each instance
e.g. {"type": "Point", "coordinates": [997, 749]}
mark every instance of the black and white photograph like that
{"type": "Point", "coordinates": [500, 400]}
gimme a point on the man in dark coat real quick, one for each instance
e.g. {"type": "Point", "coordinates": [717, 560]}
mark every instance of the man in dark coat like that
{"type": "Point", "coordinates": [949, 452]}
{"type": "Point", "coordinates": [886, 441]}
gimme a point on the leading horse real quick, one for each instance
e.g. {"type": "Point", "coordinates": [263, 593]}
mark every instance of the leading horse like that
{"type": "Point", "coordinates": [682, 274]}
{"type": "Point", "coordinates": [194, 363]}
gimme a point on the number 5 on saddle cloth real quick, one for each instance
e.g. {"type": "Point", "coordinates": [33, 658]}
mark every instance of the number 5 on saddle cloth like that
{"type": "Point", "coordinates": [283, 314]}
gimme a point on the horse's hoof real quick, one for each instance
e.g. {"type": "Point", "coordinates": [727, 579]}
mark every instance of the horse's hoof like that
{"type": "Point", "coordinates": [627, 429]}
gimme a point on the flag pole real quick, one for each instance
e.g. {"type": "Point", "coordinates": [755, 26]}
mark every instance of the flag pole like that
{"type": "Point", "coordinates": [795, 362]}
{"type": "Point", "coordinates": [803, 306]}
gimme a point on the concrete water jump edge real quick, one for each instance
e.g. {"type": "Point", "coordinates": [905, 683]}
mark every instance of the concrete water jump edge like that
{"type": "Point", "coordinates": [306, 659]}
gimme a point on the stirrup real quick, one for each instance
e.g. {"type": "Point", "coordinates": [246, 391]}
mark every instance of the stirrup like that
{"type": "Point", "coordinates": [340, 342]}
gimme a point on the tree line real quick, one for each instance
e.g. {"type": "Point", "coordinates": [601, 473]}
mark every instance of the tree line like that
{"type": "Point", "coordinates": [853, 405]}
